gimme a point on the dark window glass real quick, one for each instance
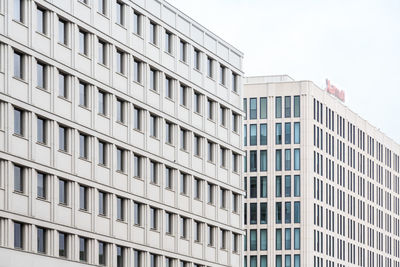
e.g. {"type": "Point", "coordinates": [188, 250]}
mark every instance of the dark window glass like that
{"type": "Point", "coordinates": [263, 186]}
{"type": "Point", "coordinates": [296, 212]}
{"type": "Point", "coordinates": [263, 213]}
{"type": "Point", "coordinates": [288, 185]}
{"type": "Point", "coordinates": [288, 106]}
{"type": "Point", "coordinates": [41, 185]}
{"type": "Point", "coordinates": [278, 186]}
{"type": "Point", "coordinates": [278, 133]}
{"type": "Point", "coordinates": [278, 212]}
{"type": "Point", "coordinates": [18, 179]}
{"type": "Point", "coordinates": [288, 212]}
{"type": "Point", "coordinates": [41, 240]}
{"type": "Point", "coordinates": [263, 134]}
{"type": "Point", "coordinates": [253, 187]}
{"type": "Point", "coordinates": [278, 107]}
{"type": "Point", "coordinates": [253, 134]}
{"type": "Point", "coordinates": [62, 245]}
{"type": "Point", "coordinates": [18, 235]}
{"type": "Point", "coordinates": [102, 253]}
{"type": "Point", "coordinates": [297, 106]}
{"type": "Point", "coordinates": [253, 108]}
{"type": "Point", "coordinates": [263, 108]}
{"type": "Point", "coordinates": [288, 132]}
{"type": "Point", "coordinates": [253, 161]}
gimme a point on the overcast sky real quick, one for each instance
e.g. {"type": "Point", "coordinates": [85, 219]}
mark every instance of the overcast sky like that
{"type": "Point", "coordinates": [354, 43]}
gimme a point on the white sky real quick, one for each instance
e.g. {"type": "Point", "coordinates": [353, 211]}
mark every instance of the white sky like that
{"type": "Point", "coordinates": [354, 43]}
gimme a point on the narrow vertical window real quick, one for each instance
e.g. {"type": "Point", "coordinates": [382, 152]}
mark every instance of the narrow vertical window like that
{"type": "Point", "coordinates": [19, 122]}
{"type": "Point", "coordinates": [63, 192]}
{"type": "Point", "coordinates": [296, 106]}
{"type": "Point", "coordinates": [83, 94]}
{"type": "Point", "coordinates": [19, 235]}
{"type": "Point", "coordinates": [102, 53]}
{"type": "Point", "coordinates": [296, 183]}
{"type": "Point", "coordinates": [120, 160]}
{"type": "Point", "coordinates": [120, 62]}
{"type": "Point", "coordinates": [63, 85]}
{"type": "Point", "coordinates": [19, 183]}
{"type": "Point", "coordinates": [62, 245]}
{"type": "Point", "coordinates": [263, 160]}
{"type": "Point", "coordinates": [102, 103]}
{"type": "Point", "coordinates": [19, 65]}
{"type": "Point", "coordinates": [153, 79]}
{"type": "Point", "coordinates": [182, 51]}
{"type": "Point", "coordinates": [63, 32]}
{"type": "Point", "coordinates": [263, 134]}
{"type": "Point", "coordinates": [297, 132]}
{"type": "Point", "coordinates": [153, 33]}
{"type": "Point", "coordinates": [120, 13]}
{"type": "Point", "coordinates": [196, 59]}
{"type": "Point", "coordinates": [235, 82]}
{"type": "Point", "coordinates": [63, 138]}
{"type": "Point", "coordinates": [278, 160]}
{"type": "Point", "coordinates": [222, 74]}
{"type": "Point", "coordinates": [288, 159]}
{"type": "Point", "coordinates": [278, 107]}
{"type": "Point", "coordinates": [253, 161]}
{"type": "Point", "coordinates": [102, 203]}
{"type": "Point", "coordinates": [137, 118]}
{"type": "Point", "coordinates": [263, 108]}
{"type": "Point", "coordinates": [19, 10]}
{"type": "Point", "coordinates": [102, 253]}
{"type": "Point", "coordinates": [83, 197]}
{"type": "Point", "coordinates": [210, 67]}
{"type": "Point", "coordinates": [83, 43]}
{"type": "Point", "coordinates": [41, 185]}
{"type": "Point", "coordinates": [83, 249]}
{"type": "Point", "coordinates": [120, 111]}
{"type": "Point", "coordinates": [41, 75]}
{"type": "Point", "coordinates": [253, 134]}
{"type": "Point", "coordinates": [297, 159]}
{"type": "Point", "coordinates": [137, 68]}
{"type": "Point", "coordinates": [41, 20]}
{"type": "Point", "coordinates": [278, 186]}
{"type": "Point", "coordinates": [102, 153]}
{"type": "Point", "coordinates": [83, 146]}
{"type": "Point", "coordinates": [41, 240]}
{"type": "Point", "coordinates": [102, 7]}
{"type": "Point", "coordinates": [288, 132]}
{"type": "Point", "coordinates": [120, 209]}
{"type": "Point", "coordinates": [183, 95]}
{"type": "Point", "coordinates": [288, 106]}
{"type": "Point", "coordinates": [137, 27]}
{"type": "Point", "coordinates": [253, 108]}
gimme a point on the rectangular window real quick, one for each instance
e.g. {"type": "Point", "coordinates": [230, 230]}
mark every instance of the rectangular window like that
{"type": "Point", "coordinates": [245, 134]}
{"type": "Point", "coordinates": [41, 130]}
{"type": "Point", "coordinates": [197, 188]}
{"type": "Point", "coordinates": [63, 192]}
{"type": "Point", "coordinates": [120, 160]}
{"type": "Point", "coordinates": [210, 109]}
{"type": "Point", "coordinates": [222, 199]}
{"type": "Point", "coordinates": [197, 145]}
{"type": "Point", "coordinates": [222, 158]}
{"type": "Point", "coordinates": [288, 238]}
{"type": "Point", "coordinates": [83, 249]}
{"type": "Point", "coordinates": [288, 185]}
{"type": "Point", "coordinates": [102, 6]}
{"type": "Point", "coordinates": [41, 240]}
{"type": "Point", "coordinates": [137, 71]}
{"type": "Point", "coordinates": [278, 133]}
{"type": "Point", "coordinates": [137, 166]}
{"type": "Point", "coordinates": [253, 239]}
{"type": "Point", "coordinates": [222, 74]}
{"type": "Point", "coordinates": [253, 134]}
{"type": "Point", "coordinates": [63, 245]}
{"type": "Point", "coordinates": [120, 110]}
{"type": "Point", "coordinates": [210, 193]}
{"type": "Point", "coordinates": [263, 213]}
{"type": "Point", "coordinates": [222, 115]}
{"type": "Point", "coordinates": [253, 160]}
{"type": "Point", "coordinates": [223, 234]}
{"type": "Point", "coordinates": [296, 212]}
{"type": "Point", "coordinates": [41, 185]}
{"type": "Point", "coordinates": [263, 134]}
{"type": "Point", "coordinates": [183, 92]}
{"type": "Point", "coordinates": [41, 71]}
{"type": "Point", "coordinates": [83, 94]}
{"type": "Point", "coordinates": [153, 126]}
{"type": "Point", "coordinates": [83, 197]}
{"type": "Point", "coordinates": [235, 202]}
{"type": "Point", "coordinates": [263, 108]}
{"type": "Point", "coordinates": [19, 63]}
{"type": "Point", "coordinates": [296, 159]}
{"type": "Point", "coordinates": [296, 238]}
{"type": "Point", "coordinates": [137, 213]}
{"type": "Point", "coordinates": [169, 132]}
{"type": "Point", "coordinates": [83, 146]}
{"type": "Point", "coordinates": [19, 183]}
{"type": "Point", "coordinates": [278, 107]}
{"type": "Point", "coordinates": [19, 10]}
{"type": "Point", "coordinates": [288, 106]}
{"type": "Point", "coordinates": [296, 192]}
{"type": "Point", "coordinates": [210, 69]}
{"type": "Point", "coordinates": [183, 183]}
{"type": "Point", "coordinates": [278, 160]}
{"type": "Point", "coordinates": [153, 33]}
{"type": "Point", "coordinates": [297, 132]}
{"type": "Point", "coordinates": [182, 51]}
{"type": "Point", "coordinates": [278, 212]}
{"type": "Point", "coordinates": [278, 239]}
{"type": "Point", "coordinates": [169, 223]}
{"type": "Point", "coordinates": [183, 226]}
{"type": "Point", "coordinates": [83, 43]}
{"type": "Point", "coordinates": [253, 261]}
{"type": "Point", "coordinates": [196, 59]}
{"type": "Point", "coordinates": [120, 61]}
{"type": "Point", "coordinates": [63, 32]}
{"type": "Point", "coordinates": [120, 16]}
{"type": "Point", "coordinates": [102, 253]}
{"type": "Point", "coordinates": [210, 151]}
{"type": "Point", "coordinates": [253, 213]}
{"type": "Point", "coordinates": [63, 138]}
{"type": "Point", "coordinates": [288, 212]}
{"type": "Point", "coordinates": [253, 108]}
{"type": "Point", "coordinates": [153, 172]}
{"type": "Point", "coordinates": [288, 260]}
{"type": "Point", "coordinates": [102, 203]}
{"type": "Point", "coordinates": [41, 16]}
{"type": "Point", "coordinates": [102, 153]}
{"type": "Point", "coordinates": [120, 209]}
{"type": "Point", "coordinates": [263, 260]}
{"type": "Point", "coordinates": [263, 160]}
{"type": "Point", "coordinates": [138, 258]}
{"type": "Point", "coordinates": [168, 42]}
{"type": "Point", "coordinates": [153, 218]}
{"type": "Point", "coordinates": [153, 79]}
{"type": "Point", "coordinates": [197, 231]}
{"type": "Point", "coordinates": [137, 23]}
{"type": "Point", "coordinates": [263, 186]}
{"type": "Point", "coordinates": [137, 118]}
{"type": "Point", "coordinates": [288, 159]}
{"type": "Point", "coordinates": [296, 106]}
{"type": "Point", "coordinates": [288, 132]}
{"type": "Point", "coordinates": [168, 178]}
{"type": "Point", "coordinates": [245, 108]}
{"type": "Point", "coordinates": [168, 87]}
{"type": "Point", "coordinates": [278, 186]}
{"type": "Point", "coordinates": [19, 232]}
{"type": "Point", "coordinates": [297, 260]}
{"type": "Point", "coordinates": [63, 85]}
{"type": "Point", "coordinates": [253, 187]}
{"type": "Point", "coordinates": [102, 103]}
{"type": "Point", "coordinates": [210, 235]}
{"type": "Point", "coordinates": [197, 102]}
{"type": "Point", "coordinates": [263, 239]}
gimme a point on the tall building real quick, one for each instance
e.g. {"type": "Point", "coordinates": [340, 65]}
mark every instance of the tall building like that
{"type": "Point", "coordinates": [323, 184]}
{"type": "Point", "coordinates": [120, 137]}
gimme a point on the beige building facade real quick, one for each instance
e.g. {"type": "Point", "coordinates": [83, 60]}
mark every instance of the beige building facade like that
{"type": "Point", "coordinates": [120, 137]}
{"type": "Point", "coordinates": [322, 184]}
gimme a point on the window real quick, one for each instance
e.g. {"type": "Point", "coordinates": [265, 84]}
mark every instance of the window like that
{"type": "Point", "coordinates": [222, 158]}
{"type": "Point", "coordinates": [288, 185]}
{"type": "Point", "coordinates": [263, 160]}
{"type": "Point", "coordinates": [183, 51]}
{"type": "Point", "coordinates": [253, 187]}
{"type": "Point", "coordinates": [253, 239]}
{"type": "Point", "coordinates": [153, 218]}
{"type": "Point", "coordinates": [196, 59]}
{"type": "Point", "coordinates": [19, 10]}
{"type": "Point", "coordinates": [102, 153]}
{"type": "Point", "coordinates": [278, 212]}
{"type": "Point", "coordinates": [137, 164]}
{"type": "Point", "coordinates": [288, 212]}
{"type": "Point", "coordinates": [222, 74]}
{"type": "Point", "coordinates": [137, 118]}
{"type": "Point", "coordinates": [210, 190]}
{"type": "Point", "coordinates": [19, 63]}
{"type": "Point", "coordinates": [121, 61]}
{"type": "Point", "coordinates": [197, 231]}
{"type": "Point", "coordinates": [183, 225]}
{"type": "Point", "coordinates": [153, 126]}
{"type": "Point", "coordinates": [169, 223]}
{"type": "Point", "coordinates": [197, 145]}
{"type": "Point", "coordinates": [278, 239]}
{"type": "Point", "coordinates": [183, 92]}
{"type": "Point", "coordinates": [278, 186]}
{"type": "Point", "coordinates": [263, 213]}
{"type": "Point", "coordinates": [253, 134]}
{"type": "Point", "coordinates": [102, 203]}
{"type": "Point", "coordinates": [168, 42]}
{"type": "Point", "coordinates": [19, 235]}
{"type": "Point", "coordinates": [63, 192]}
{"type": "Point", "coordinates": [263, 239]}
{"type": "Point", "coordinates": [210, 109]}
{"type": "Point", "coordinates": [102, 253]}
{"type": "Point", "coordinates": [138, 258]}
{"type": "Point", "coordinates": [235, 82]}
{"type": "Point", "coordinates": [120, 160]}
{"type": "Point", "coordinates": [210, 234]}
{"type": "Point", "coordinates": [235, 122]}
{"type": "Point", "coordinates": [63, 245]}
{"type": "Point", "coordinates": [278, 107]}
{"type": "Point", "coordinates": [102, 55]}
{"type": "Point", "coordinates": [121, 209]}
{"type": "Point", "coordinates": [153, 260]}
{"type": "Point", "coordinates": [137, 213]}
{"type": "Point", "coordinates": [263, 134]}
{"type": "Point", "coordinates": [83, 43]}
{"type": "Point", "coordinates": [102, 103]}
{"type": "Point", "coordinates": [153, 172]}
{"type": "Point", "coordinates": [288, 132]}
{"type": "Point", "coordinates": [253, 213]}
{"type": "Point", "coordinates": [263, 260]}
{"type": "Point", "coordinates": [121, 110]}
{"type": "Point", "coordinates": [83, 146]}
{"type": "Point", "coordinates": [288, 106]}
{"type": "Point", "coordinates": [153, 79]}
{"type": "Point", "coordinates": [210, 69]}
{"type": "Point", "coordinates": [222, 198]}
{"type": "Point", "coordinates": [41, 16]}
{"type": "Point", "coordinates": [288, 159]}
{"type": "Point", "coordinates": [263, 186]}
{"type": "Point", "coordinates": [278, 160]}
{"type": "Point", "coordinates": [278, 133]}
{"type": "Point", "coordinates": [288, 260]}
{"type": "Point", "coordinates": [235, 162]}
{"type": "Point", "coordinates": [235, 202]}
{"type": "Point", "coordinates": [296, 159]}
{"type": "Point", "coordinates": [41, 240]}
{"type": "Point", "coordinates": [297, 260]}
{"type": "Point", "coordinates": [296, 238]}
{"type": "Point", "coordinates": [263, 108]}
{"type": "Point", "coordinates": [288, 243]}
{"type": "Point", "coordinates": [223, 234]}
{"type": "Point", "coordinates": [183, 183]}
{"type": "Point", "coordinates": [41, 130]}
{"type": "Point", "coordinates": [19, 181]}
{"type": "Point", "coordinates": [245, 134]}
{"type": "Point", "coordinates": [169, 132]}
{"type": "Point", "coordinates": [253, 161]}
{"type": "Point", "coordinates": [245, 108]}
{"type": "Point", "coordinates": [296, 186]}
{"type": "Point", "coordinates": [210, 151]}
{"type": "Point", "coordinates": [63, 85]}
{"type": "Point", "coordinates": [63, 32]}
{"type": "Point", "coordinates": [83, 94]}
{"type": "Point", "coordinates": [153, 33]}
{"type": "Point", "coordinates": [197, 188]}
{"type": "Point", "coordinates": [297, 132]}
{"type": "Point", "coordinates": [120, 13]}
{"type": "Point", "coordinates": [83, 249]}
{"type": "Point", "coordinates": [169, 87]}
{"type": "Point", "coordinates": [137, 23]}
{"type": "Point", "coordinates": [253, 108]}
{"type": "Point", "coordinates": [102, 6]}
{"type": "Point", "coordinates": [83, 198]}
{"type": "Point", "coordinates": [41, 185]}
{"type": "Point", "coordinates": [296, 212]}
{"type": "Point", "coordinates": [296, 106]}
{"type": "Point", "coordinates": [137, 71]}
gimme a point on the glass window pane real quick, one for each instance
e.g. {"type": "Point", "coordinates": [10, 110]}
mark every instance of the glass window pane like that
{"type": "Point", "coordinates": [288, 162]}
{"type": "Point", "coordinates": [253, 187]}
{"type": "Point", "coordinates": [278, 133]}
{"type": "Point", "coordinates": [263, 108]}
{"type": "Point", "coordinates": [245, 108]}
{"type": "Point", "coordinates": [253, 161]}
{"type": "Point", "coordinates": [253, 134]}
{"type": "Point", "coordinates": [263, 160]}
{"type": "Point", "coordinates": [297, 159]}
{"type": "Point", "coordinates": [278, 260]}
{"type": "Point", "coordinates": [288, 185]}
{"type": "Point", "coordinates": [253, 108]}
{"type": "Point", "coordinates": [288, 237]}
{"type": "Point", "coordinates": [297, 132]}
{"type": "Point", "coordinates": [253, 261]}
{"type": "Point", "coordinates": [278, 212]}
{"type": "Point", "coordinates": [288, 262]}
{"type": "Point", "coordinates": [288, 132]}
{"type": "Point", "coordinates": [288, 106]}
{"type": "Point", "coordinates": [278, 107]}
{"type": "Point", "coordinates": [263, 261]}
{"type": "Point", "coordinates": [245, 134]}
{"type": "Point", "coordinates": [253, 239]}
{"type": "Point", "coordinates": [278, 160]}
{"type": "Point", "coordinates": [296, 192]}
{"type": "Point", "coordinates": [297, 238]}
{"type": "Point", "coordinates": [296, 212]}
{"type": "Point", "coordinates": [278, 186]}
{"type": "Point", "coordinates": [263, 186]}
{"type": "Point", "coordinates": [278, 239]}
{"type": "Point", "coordinates": [263, 213]}
{"type": "Point", "coordinates": [297, 260]}
{"type": "Point", "coordinates": [263, 134]}
{"type": "Point", "coordinates": [288, 212]}
{"type": "Point", "coordinates": [253, 213]}
{"type": "Point", "coordinates": [297, 106]}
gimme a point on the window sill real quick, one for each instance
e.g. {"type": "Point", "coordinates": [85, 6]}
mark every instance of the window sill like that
{"type": "Point", "coordinates": [121, 123]}
{"type": "Point", "coordinates": [86, 5]}
{"type": "Point", "coordinates": [85, 211]}
{"type": "Point", "coordinates": [64, 152]}
{"type": "Point", "coordinates": [155, 184]}
{"type": "Point", "coordinates": [123, 75]}
{"type": "Point", "coordinates": [64, 205]}
{"type": "Point", "coordinates": [235, 92]}
{"type": "Point", "coordinates": [122, 221]}
{"type": "Point", "coordinates": [169, 234]}
{"type": "Point", "coordinates": [169, 53]}
{"type": "Point", "coordinates": [43, 89]}
{"type": "Point", "coordinates": [211, 162]}
{"type": "Point", "coordinates": [121, 25]}
{"type": "Point", "coordinates": [184, 106]}
{"type": "Point", "coordinates": [199, 113]}
{"type": "Point", "coordinates": [184, 62]}
{"type": "Point", "coordinates": [155, 230]}
{"type": "Point", "coordinates": [103, 115]}
{"type": "Point", "coordinates": [170, 144]}
{"type": "Point", "coordinates": [64, 45]}
{"type": "Point", "coordinates": [154, 137]}
{"type": "Point", "coordinates": [138, 130]}
{"type": "Point", "coordinates": [197, 70]}
{"type": "Point", "coordinates": [184, 150]}
{"type": "Point", "coordinates": [104, 65]}
{"type": "Point", "coordinates": [21, 193]}
{"type": "Point", "coordinates": [155, 91]}
{"type": "Point", "coordinates": [138, 83]}
{"type": "Point", "coordinates": [211, 204]}
{"type": "Point", "coordinates": [171, 189]}
{"type": "Point", "coordinates": [139, 35]}
{"type": "Point", "coordinates": [20, 136]}
{"type": "Point", "coordinates": [103, 15]}
{"type": "Point", "coordinates": [103, 166]}
{"type": "Point", "coordinates": [138, 178]}
{"type": "Point", "coordinates": [105, 216]}
{"type": "Point", "coordinates": [184, 195]}
{"type": "Point", "coordinates": [211, 120]}
{"type": "Point", "coordinates": [20, 23]}
{"type": "Point", "coordinates": [44, 199]}
{"type": "Point", "coordinates": [43, 35]}
{"type": "Point", "coordinates": [84, 107]}
{"type": "Point", "coordinates": [121, 172]}
{"type": "Point", "coordinates": [198, 156]}
{"type": "Point", "coordinates": [223, 85]}
{"type": "Point", "coordinates": [169, 99]}
{"type": "Point", "coordinates": [64, 98]}
{"type": "Point", "coordinates": [84, 55]}
{"type": "Point", "coordinates": [154, 44]}
{"type": "Point", "coordinates": [211, 78]}
{"type": "Point", "coordinates": [20, 80]}
{"type": "Point", "coordinates": [85, 159]}
{"type": "Point", "coordinates": [197, 199]}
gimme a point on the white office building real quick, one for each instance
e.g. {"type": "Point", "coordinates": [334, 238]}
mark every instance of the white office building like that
{"type": "Point", "coordinates": [120, 137]}
{"type": "Point", "coordinates": [322, 184]}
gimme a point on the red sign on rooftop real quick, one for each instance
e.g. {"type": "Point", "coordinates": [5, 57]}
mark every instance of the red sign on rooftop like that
{"type": "Point", "coordinates": [334, 91]}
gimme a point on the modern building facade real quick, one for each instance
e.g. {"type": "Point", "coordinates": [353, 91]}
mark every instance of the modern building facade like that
{"type": "Point", "coordinates": [322, 184]}
{"type": "Point", "coordinates": [120, 137]}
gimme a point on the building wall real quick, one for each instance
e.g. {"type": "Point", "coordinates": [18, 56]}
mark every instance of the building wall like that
{"type": "Point", "coordinates": [343, 221]}
{"type": "Point", "coordinates": [115, 114]}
